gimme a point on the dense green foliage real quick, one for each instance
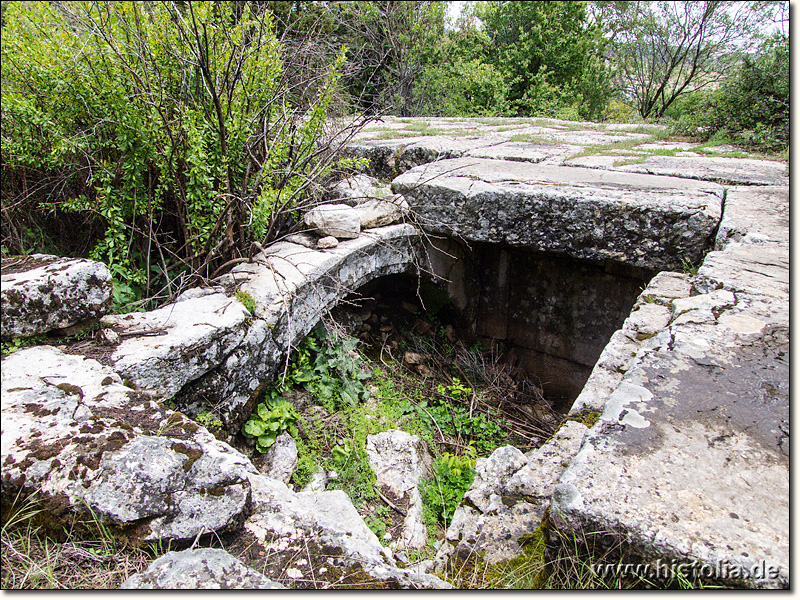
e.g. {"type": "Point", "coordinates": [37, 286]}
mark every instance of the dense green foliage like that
{"type": "Point", "coordinates": [452, 476]}
{"type": "Point", "coordinates": [169, 139]}
{"type": "Point", "coordinates": [549, 55]}
{"type": "Point", "coordinates": [165, 129]}
{"type": "Point", "coordinates": [751, 107]}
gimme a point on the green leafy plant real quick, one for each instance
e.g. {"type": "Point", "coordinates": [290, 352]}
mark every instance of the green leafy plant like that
{"type": "Point", "coordinates": [452, 476]}
{"type": "Point", "coordinates": [328, 366]}
{"type": "Point", "coordinates": [18, 343]}
{"type": "Point", "coordinates": [208, 419]}
{"type": "Point", "coordinates": [164, 133]}
{"type": "Point", "coordinates": [456, 390]}
{"type": "Point", "coordinates": [273, 416]}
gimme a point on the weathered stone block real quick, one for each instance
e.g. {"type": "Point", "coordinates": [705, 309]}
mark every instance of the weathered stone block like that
{"type": "Point", "coordinates": [41, 292]}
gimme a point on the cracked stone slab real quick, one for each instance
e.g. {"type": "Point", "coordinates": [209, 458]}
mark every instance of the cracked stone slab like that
{"type": "Point", "coordinates": [728, 171]}
{"type": "Point", "coordinates": [41, 292]}
{"type": "Point", "coordinates": [754, 215]}
{"type": "Point", "coordinates": [73, 434]}
{"type": "Point", "coordinates": [646, 221]}
{"type": "Point", "coordinates": [293, 287]}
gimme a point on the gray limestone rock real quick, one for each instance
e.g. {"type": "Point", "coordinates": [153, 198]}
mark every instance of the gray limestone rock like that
{"type": "Point", "coordinates": [385, 211]}
{"type": "Point", "coordinates": [689, 461]}
{"type": "Point", "coordinates": [357, 189]}
{"type": "Point", "coordinates": [74, 434]}
{"type": "Point", "coordinates": [280, 460]}
{"type": "Point", "coordinates": [293, 287]}
{"type": "Point", "coordinates": [400, 461]}
{"type": "Point", "coordinates": [41, 292]}
{"type": "Point", "coordinates": [200, 569]}
{"type": "Point", "coordinates": [337, 220]}
{"type": "Point", "coordinates": [495, 530]}
{"type": "Point", "coordinates": [646, 221]}
{"type": "Point", "coordinates": [727, 171]}
{"type": "Point", "coordinates": [162, 350]}
{"type": "Point", "coordinates": [326, 531]}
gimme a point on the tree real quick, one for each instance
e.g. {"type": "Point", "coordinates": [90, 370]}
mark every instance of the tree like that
{"type": "Point", "coordinates": [665, 49]}
{"type": "Point", "coordinates": [751, 107]}
{"type": "Point", "coordinates": [549, 54]}
{"type": "Point", "coordinates": [387, 44]}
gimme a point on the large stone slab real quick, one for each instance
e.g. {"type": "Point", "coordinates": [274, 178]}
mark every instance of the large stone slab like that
{"type": "Point", "coordinates": [646, 221]}
{"type": "Point", "coordinates": [162, 350]}
{"type": "Point", "coordinates": [41, 292]}
{"type": "Point", "coordinates": [754, 215]}
{"type": "Point", "coordinates": [727, 171]}
{"type": "Point", "coordinates": [73, 434]}
{"type": "Point", "coordinates": [293, 287]}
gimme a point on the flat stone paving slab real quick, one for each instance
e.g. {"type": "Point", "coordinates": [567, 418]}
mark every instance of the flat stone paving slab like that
{"type": "Point", "coordinates": [646, 221]}
{"type": "Point", "coordinates": [728, 171]}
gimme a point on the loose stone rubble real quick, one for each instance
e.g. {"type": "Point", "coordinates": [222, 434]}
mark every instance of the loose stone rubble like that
{"type": "Point", "coordinates": [41, 292]}
{"type": "Point", "coordinates": [508, 499]}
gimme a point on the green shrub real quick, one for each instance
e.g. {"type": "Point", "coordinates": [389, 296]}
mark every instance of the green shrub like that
{"type": "Point", "coordinates": [462, 89]}
{"type": "Point", "coordinates": [751, 107]}
{"type": "Point", "coordinates": [166, 129]}
{"type": "Point", "coordinates": [452, 476]}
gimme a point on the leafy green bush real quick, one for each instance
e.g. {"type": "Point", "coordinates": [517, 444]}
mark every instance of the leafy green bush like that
{"type": "Point", "coordinates": [167, 127]}
{"type": "Point", "coordinates": [462, 89]}
{"type": "Point", "coordinates": [751, 107]}
{"type": "Point", "coordinates": [330, 369]}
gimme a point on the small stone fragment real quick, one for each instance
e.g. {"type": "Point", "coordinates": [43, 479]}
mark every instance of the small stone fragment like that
{"type": "Point", "coordinates": [327, 242]}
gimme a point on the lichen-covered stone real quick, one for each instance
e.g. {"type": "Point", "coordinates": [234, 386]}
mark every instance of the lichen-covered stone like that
{"type": "Point", "coordinates": [164, 349]}
{"type": "Point", "coordinates": [76, 436]}
{"type": "Point", "coordinates": [399, 461]}
{"type": "Point", "coordinates": [199, 569]}
{"type": "Point", "coordinates": [41, 292]}
{"type": "Point", "coordinates": [326, 531]}
{"type": "Point", "coordinates": [293, 287]}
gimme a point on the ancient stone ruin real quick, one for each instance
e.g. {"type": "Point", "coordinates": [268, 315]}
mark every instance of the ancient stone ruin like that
{"type": "Point", "coordinates": [650, 290]}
